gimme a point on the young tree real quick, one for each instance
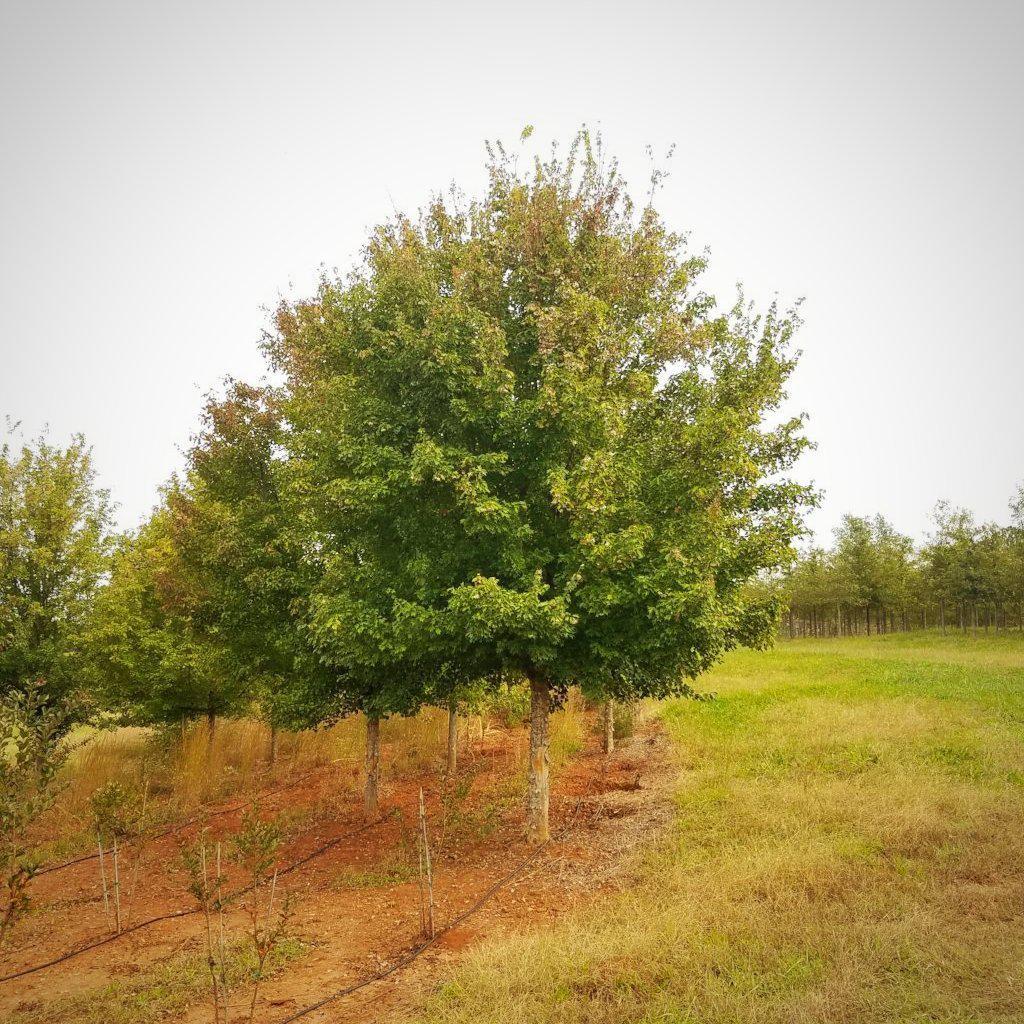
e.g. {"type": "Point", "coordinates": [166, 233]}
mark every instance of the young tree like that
{"type": "Point", "coordinates": [32, 752]}
{"type": "Point", "coordinates": [232, 538]}
{"type": "Point", "coordinates": [55, 543]}
{"type": "Point", "coordinates": [524, 441]}
{"type": "Point", "coordinates": [1016, 555]}
{"type": "Point", "coordinates": [144, 657]}
{"type": "Point", "coordinates": [953, 560]}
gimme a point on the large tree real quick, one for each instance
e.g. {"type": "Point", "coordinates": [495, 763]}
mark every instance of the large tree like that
{"type": "Point", "coordinates": [55, 544]}
{"type": "Point", "coordinates": [523, 440]}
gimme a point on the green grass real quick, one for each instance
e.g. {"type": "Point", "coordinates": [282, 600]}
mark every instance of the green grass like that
{"type": "Point", "coordinates": [161, 992]}
{"type": "Point", "coordinates": [848, 846]}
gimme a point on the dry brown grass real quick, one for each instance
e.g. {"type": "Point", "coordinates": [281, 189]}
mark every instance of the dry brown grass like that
{"type": "Point", "coordinates": [847, 849]}
{"type": "Point", "coordinates": [180, 770]}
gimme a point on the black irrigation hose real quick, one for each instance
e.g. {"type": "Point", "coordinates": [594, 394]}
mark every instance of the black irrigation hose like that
{"type": "Point", "coordinates": [179, 826]}
{"type": "Point", "coordinates": [187, 912]}
{"type": "Point", "coordinates": [418, 951]}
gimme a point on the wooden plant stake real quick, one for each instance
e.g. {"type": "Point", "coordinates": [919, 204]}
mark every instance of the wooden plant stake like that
{"type": "Point", "coordinates": [423, 896]}
{"type": "Point", "coordinates": [211, 960]}
{"type": "Point", "coordinates": [425, 840]}
{"type": "Point", "coordinates": [117, 888]}
{"type": "Point", "coordinates": [103, 876]}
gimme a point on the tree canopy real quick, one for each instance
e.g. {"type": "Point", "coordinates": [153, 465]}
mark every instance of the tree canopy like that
{"type": "Point", "coordinates": [875, 577]}
{"type": "Point", "coordinates": [55, 542]}
{"type": "Point", "coordinates": [239, 552]}
{"type": "Point", "coordinates": [521, 439]}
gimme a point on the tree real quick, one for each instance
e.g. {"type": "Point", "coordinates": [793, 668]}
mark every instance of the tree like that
{"type": "Point", "coordinates": [32, 752]}
{"type": "Point", "coordinates": [523, 441]}
{"type": "Point", "coordinates": [1016, 555]}
{"type": "Point", "coordinates": [231, 536]}
{"type": "Point", "coordinates": [954, 562]}
{"type": "Point", "coordinates": [144, 657]}
{"type": "Point", "coordinates": [55, 541]}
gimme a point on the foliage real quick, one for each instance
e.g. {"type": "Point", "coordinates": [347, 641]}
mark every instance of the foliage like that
{"type": "Point", "coordinates": [154, 994]}
{"type": "Point", "coordinates": [31, 756]}
{"type": "Point", "coordinates": [522, 440]}
{"type": "Point", "coordinates": [54, 546]}
{"type": "Point", "coordinates": [118, 811]}
{"type": "Point", "coordinates": [144, 657]}
{"type": "Point", "coordinates": [255, 848]}
{"type": "Point", "coordinates": [874, 575]}
{"type": "Point", "coordinates": [231, 536]}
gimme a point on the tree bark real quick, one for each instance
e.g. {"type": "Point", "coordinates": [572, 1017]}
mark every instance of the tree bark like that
{"type": "Point", "coordinates": [608, 720]}
{"type": "Point", "coordinates": [538, 794]}
{"type": "Point", "coordinates": [453, 738]}
{"type": "Point", "coordinates": [371, 794]}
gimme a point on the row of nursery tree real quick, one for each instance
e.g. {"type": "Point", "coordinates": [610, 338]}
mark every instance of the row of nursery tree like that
{"type": "Point", "coordinates": [967, 575]}
{"type": "Point", "coordinates": [517, 444]}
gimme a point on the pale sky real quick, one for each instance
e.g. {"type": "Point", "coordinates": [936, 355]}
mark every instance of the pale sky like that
{"type": "Point", "coordinates": [168, 170]}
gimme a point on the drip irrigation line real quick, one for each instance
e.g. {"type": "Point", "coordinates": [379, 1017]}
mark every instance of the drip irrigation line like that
{"type": "Point", "coordinates": [185, 912]}
{"type": "Point", "coordinates": [179, 826]}
{"type": "Point", "coordinates": [417, 951]}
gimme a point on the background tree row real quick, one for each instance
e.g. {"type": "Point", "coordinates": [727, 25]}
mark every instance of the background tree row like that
{"type": "Point", "coordinates": [966, 575]}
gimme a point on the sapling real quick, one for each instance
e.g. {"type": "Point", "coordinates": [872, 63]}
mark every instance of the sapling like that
{"type": "Point", "coordinates": [255, 850]}
{"type": "Point", "coordinates": [208, 892]}
{"type": "Point", "coordinates": [119, 816]}
{"type": "Point", "coordinates": [31, 756]}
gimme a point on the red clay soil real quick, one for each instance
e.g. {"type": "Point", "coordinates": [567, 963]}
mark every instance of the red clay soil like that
{"type": "Point", "coordinates": [356, 923]}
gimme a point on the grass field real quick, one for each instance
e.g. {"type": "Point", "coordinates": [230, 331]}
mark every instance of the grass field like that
{"type": "Point", "coordinates": [849, 846]}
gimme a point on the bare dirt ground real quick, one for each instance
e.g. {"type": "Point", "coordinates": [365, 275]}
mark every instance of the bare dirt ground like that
{"type": "Point", "coordinates": [358, 920]}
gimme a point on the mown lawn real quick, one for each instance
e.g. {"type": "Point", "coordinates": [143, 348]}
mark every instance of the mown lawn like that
{"type": "Point", "coordinates": [849, 846]}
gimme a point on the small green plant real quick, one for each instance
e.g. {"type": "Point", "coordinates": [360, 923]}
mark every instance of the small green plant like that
{"type": "Point", "coordinates": [156, 994]}
{"type": "Point", "coordinates": [255, 850]}
{"type": "Point", "coordinates": [394, 870]}
{"type": "Point", "coordinates": [31, 756]}
{"type": "Point", "coordinates": [119, 817]}
{"type": "Point", "coordinates": [206, 882]}
{"type": "Point", "coordinates": [509, 704]}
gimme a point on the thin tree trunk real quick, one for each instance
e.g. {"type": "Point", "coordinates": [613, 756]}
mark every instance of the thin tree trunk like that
{"type": "Point", "coordinates": [538, 796]}
{"type": "Point", "coordinates": [371, 794]}
{"type": "Point", "coordinates": [211, 730]}
{"type": "Point", "coordinates": [608, 719]}
{"type": "Point", "coordinates": [453, 738]}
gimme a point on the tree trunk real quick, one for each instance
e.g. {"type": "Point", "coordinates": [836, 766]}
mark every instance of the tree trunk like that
{"type": "Point", "coordinates": [371, 794]}
{"type": "Point", "coordinates": [453, 738]}
{"type": "Point", "coordinates": [211, 730]}
{"type": "Point", "coordinates": [538, 795]}
{"type": "Point", "coordinates": [608, 720]}
{"type": "Point", "coordinates": [272, 753]}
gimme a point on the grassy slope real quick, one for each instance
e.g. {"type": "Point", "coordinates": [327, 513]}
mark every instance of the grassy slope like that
{"type": "Point", "coordinates": [849, 847]}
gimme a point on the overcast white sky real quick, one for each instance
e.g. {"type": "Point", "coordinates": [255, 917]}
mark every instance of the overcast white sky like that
{"type": "Point", "coordinates": [168, 170]}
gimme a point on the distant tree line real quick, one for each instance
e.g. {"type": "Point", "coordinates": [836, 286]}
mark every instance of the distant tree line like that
{"type": "Point", "coordinates": [873, 579]}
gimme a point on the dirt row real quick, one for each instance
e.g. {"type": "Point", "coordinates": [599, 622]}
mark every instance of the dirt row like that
{"type": "Point", "coordinates": [355, 905]}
